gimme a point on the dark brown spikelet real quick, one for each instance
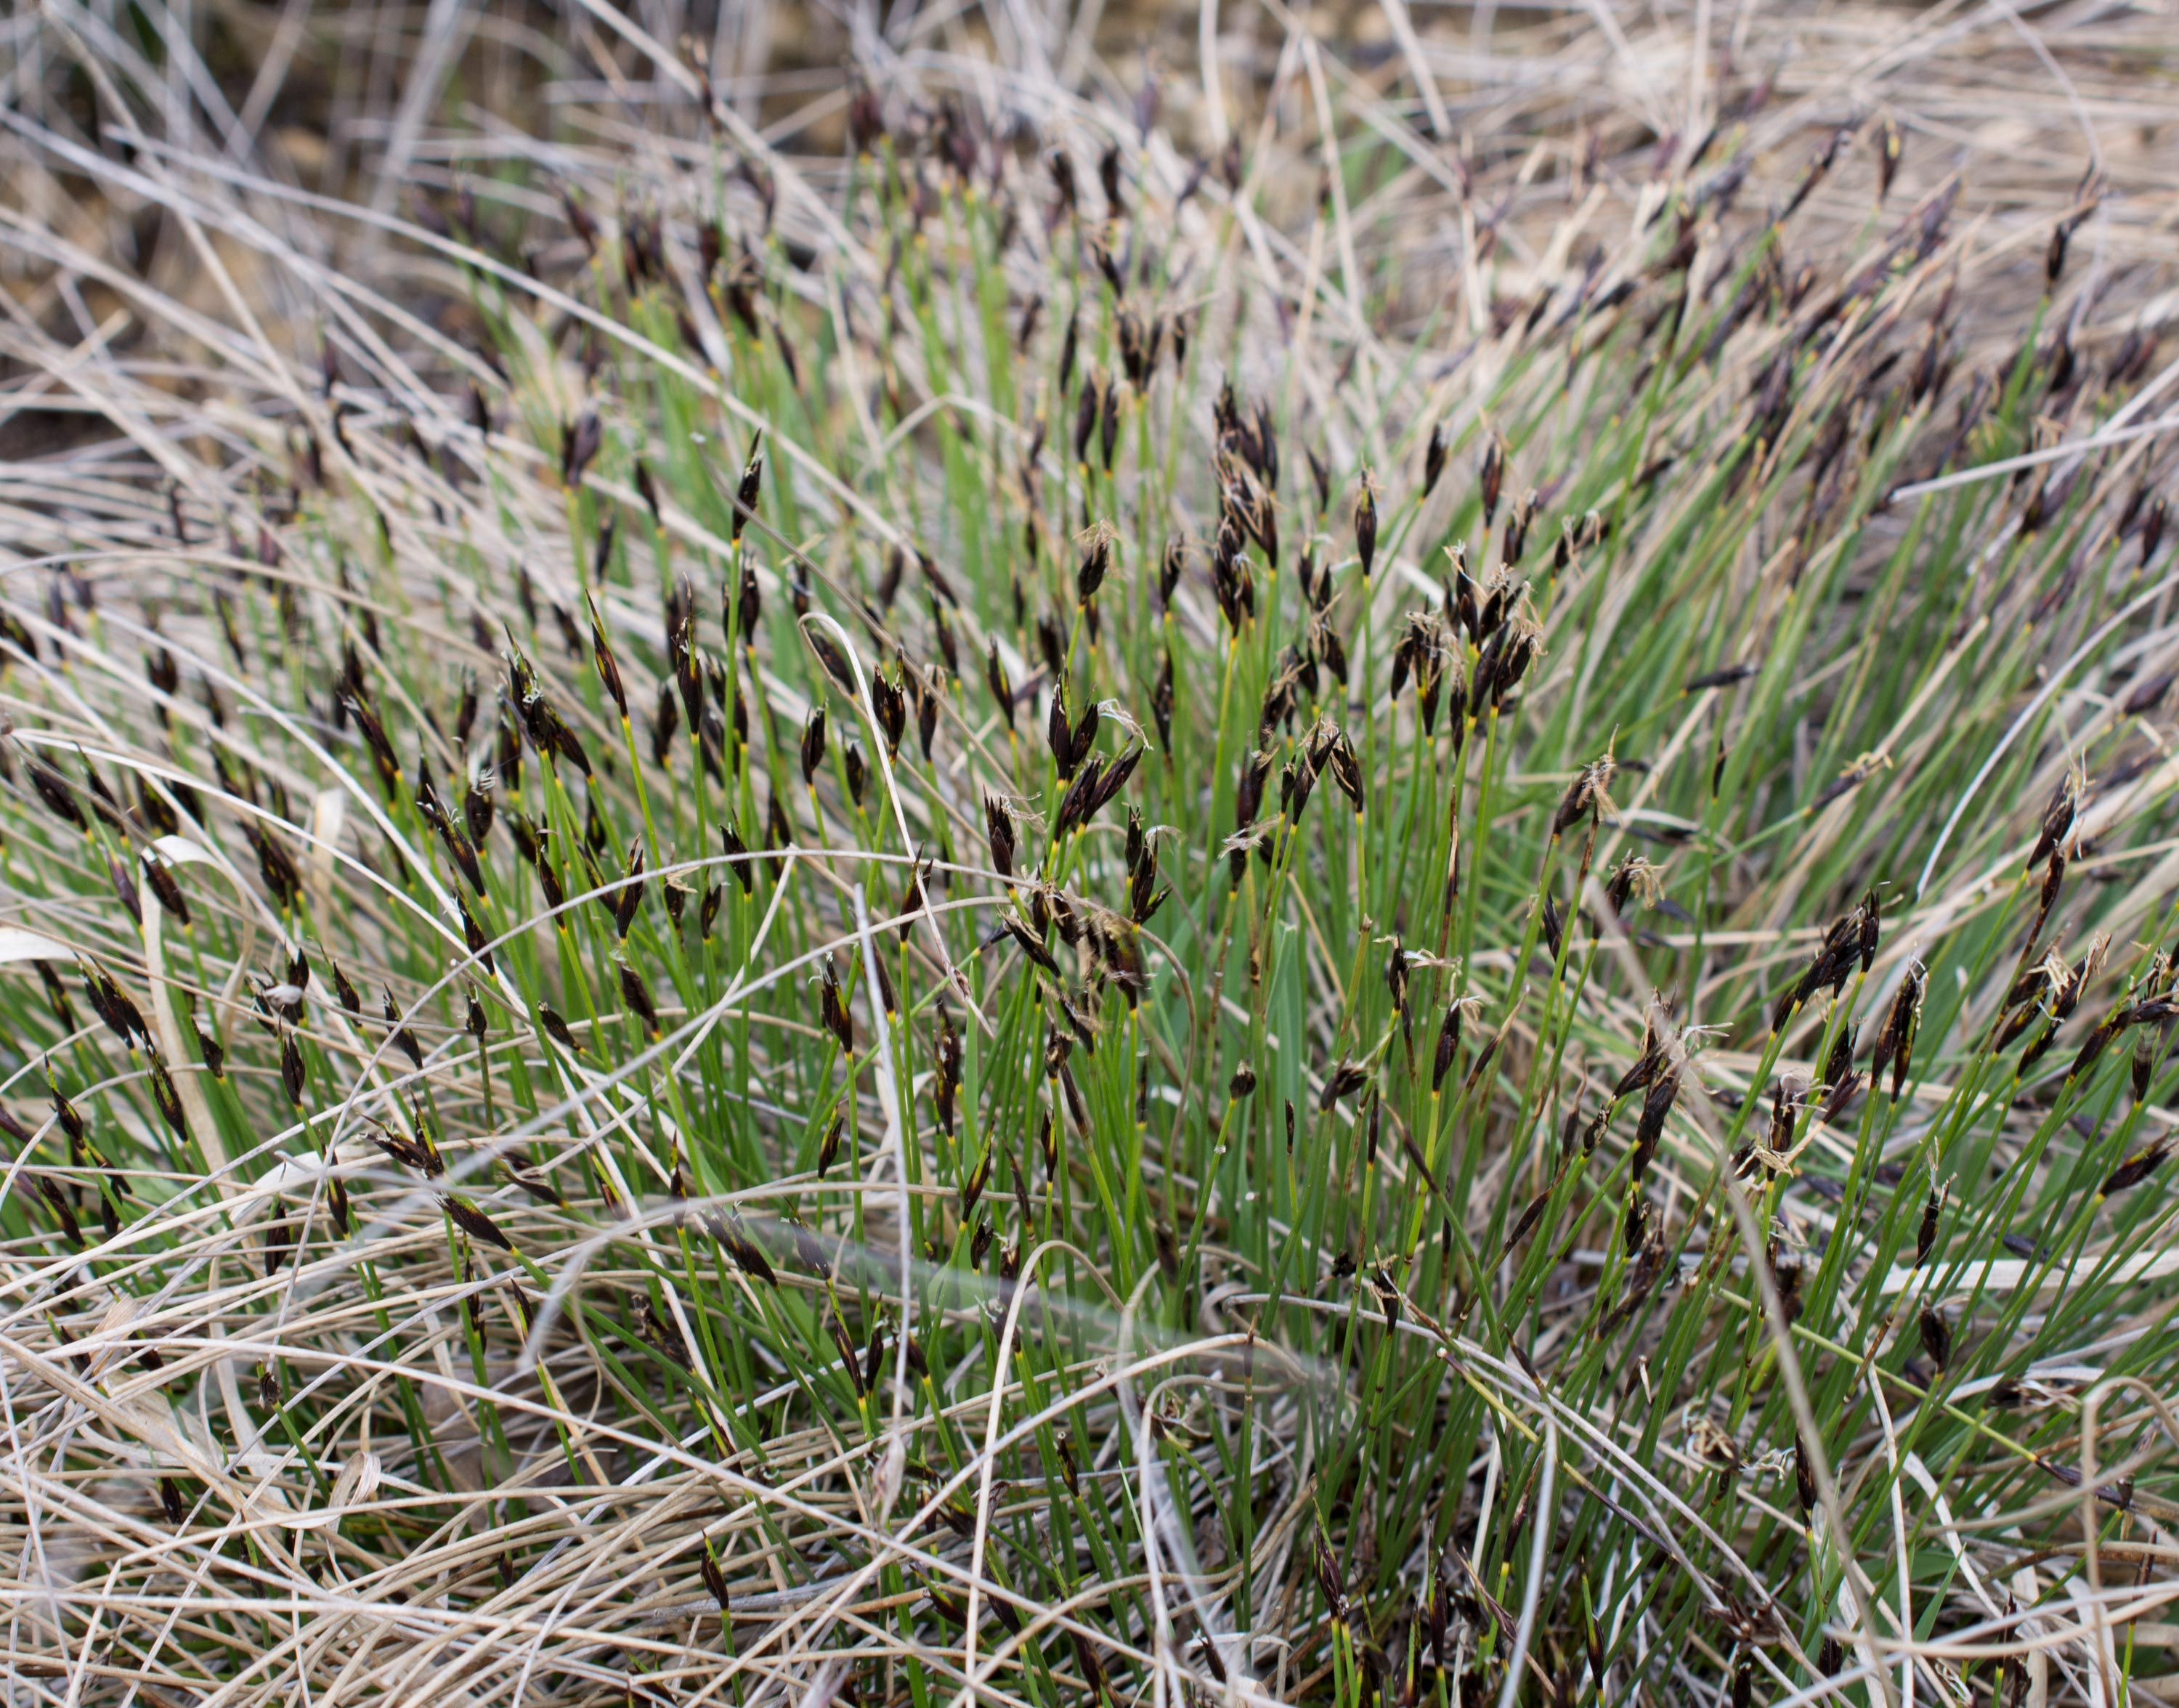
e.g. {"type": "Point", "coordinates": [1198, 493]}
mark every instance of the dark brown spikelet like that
{"type": "Point", "coordinates": [166, 889]}
{"type": "Point", "coordinates": [1297, 782]}
{"type": "Point", "coordinates": [2134, 1169]}
{"type": "Point", "coordinates": [1518, 524]}
{"type": "Point", "coordinates": [996, 678]}
{"type": "Point", "coordinates": [1338, 756]}
{"type": "Point", "coordinates": [1553, 926]}
{"type": "Point", "coordinates": [737, 852]}
{"type": "Point", "coordinates": [664, 723]}
{"type": "Point", "coordinates": [1074, 805]}
{"type": "Point", "coordinates": [627, 900]}
{"type": "Point", "coordinates": [1584, 794]}
{"type": "Point", "coordinates": [1320, 475]}
{"type": "Point", "coordinates": [125, 890]}
{"type": "Point", "coordinates": [54, 791]}
{"type": "Point", "coordinates": [1839, 1072]}
{"type": "Point", "coordinates": [477, 809]}
{"type": "Point", "coordinates": [813, 746]}
{"type": "Point", "coordinates": [2092, 1046]}
{"type": "Point", "coordinates": [1656, 1104]}
{"type": "Point", "coordinates": [1936, 1337]}
{"type": "Point", "coordinates": [1493, 476]}
{"type": "Point", "coordinates": [1143, 896]}
{"type": "Point", "coordinates": [555, 1028]}
{"type": "Point", "coordinates": [400, 1035]}
{"type": "Point", "coordinates": [580, 441]}
{"type": "Point", "coordinates": [832, 1009]}
{"type": "Point", "coordinates": [1895, 1044]}
{"type": "Point", "coordinates": [746, 494]}
{"type": "Point", "coordinates": [1329, 1582]}
{"type": "Point", "coordinates": [999, 833]}
{"type": "Point", "coordinates": [407, 1152]}
{"type": "Point", "coordinates": [71, 1120]}
{"type": "Point", "coordinates": [382, 754]}
{"type": "Point", "coordinates": [729, 1231]}
{"type": "Point", "coordinates": [274, 864]}
{"type": "Point", "coordinates": [1170, 568]}
{"type": "Point", "coordinates": [473, 934]}
{"type": "Point", "coordinates": [1248, 801]}
{"type": "Point", "coordinates": [828, 1151]}
{"type": "Point", "coordinates": [1342, 1081]}
{"type": "Point", "coordinates": [1434, 458]}
{"type": "Point", "coordinates": [637, 995]}
{"type": "Point", "coordinates": [2057, 822]}
{"type": "Point", "coordinates": [1448, 1045]}
{"type": "Point", "coordinates": [1365, 524]}
{"type": "Point", "coordinates": [57, 995]}
{"type": "Point", "coordinates": [1059, 734]}
{"type": "Point", "coordinates": [715, 1580]}
{"type": "Point", "coordinates": [947, 1083]}
{"type": "Point", "coordinates": [1114, 779]}
{"type": "Point", "coordinates": [1096, 561]}
{"type": "Point", "coordinates": [113, 1005]}
{"type": "Point", "coordinates": [1925, 1237]}
{"type": "Point", "coordinates": [608, 666]}
{"type": "Point", "coordinates": [1849, 942]}
{"type": "Point", "coordinates": [291, 1070]}
{"type": "Point", "coordinates": [749, 607]}
{"type": "Point", "coordinates": [926, 712]}
{"type": "Point", "coordinates": [152, 802]}
{"type": "Point", "coordinates": [474, 1222]}
{"type": "Point", "coordinates": [168, 1100]}
{"type": "Point", "coordinates": [1085, 410]}
{"type": "Point", "coordinates": [1083, 738]}
{"type": "Point", "coordinates": [1161, 702]}
{"type": "Point", "coordinates": [834, 659]}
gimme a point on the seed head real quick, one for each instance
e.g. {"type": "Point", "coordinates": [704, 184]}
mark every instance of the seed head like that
{"type": "Point", "coordinates": [1169, 567]}
{"type": "Point", "coordinates": [890, 705]}
{"type": "Point", "coordinates": [1001, 687]}
{"type": "Point", "coordinates": [637, 995]}
{"type": "Point", "coordinates": [1634, 879]}
{"type": "Point", "coordinates": [1365, 523]}
{"type": "Point", "coordinates": [745, 495]}
{"type": "Point", "coordinates": [2135, 1169]}
{"type": "Point", "coordinates": [608, 666]}
{"type": "Point", "coordinates": [832, 1009]}
{"type": "Point", "coordinates": [999, 832]}
{"type": "Point", "coordinates": [1657, 1102]}
{"type": "Point", "coordinates": [946, 1083]}
{"type": "Point", "coordinates": [1096, 561]}
{"type": "Point", "coordinates": [1493, 475]}
{"type": "Point", "coordinates": [748, 606]}
{"type": "Point", "coordinates": [627, 899]}
{"type": "Point", "coordinates": [1936, 1337]}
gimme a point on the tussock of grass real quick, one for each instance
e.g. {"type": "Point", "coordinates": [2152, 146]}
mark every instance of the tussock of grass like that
{"type": "Point", "coordinates": [1038, 896]}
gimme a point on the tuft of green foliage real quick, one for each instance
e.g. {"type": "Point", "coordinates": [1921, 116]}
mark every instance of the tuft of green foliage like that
{"type": "Point", "coordinates": [990, 916]}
